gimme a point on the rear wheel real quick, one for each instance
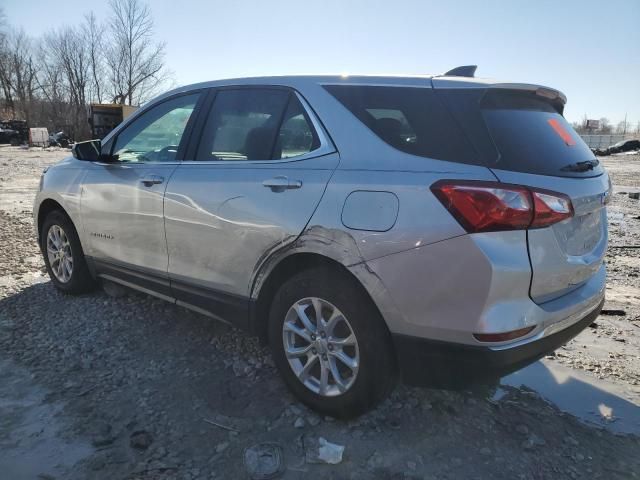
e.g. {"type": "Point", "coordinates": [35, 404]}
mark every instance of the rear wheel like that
{"type": "Point", "coordinates": [63, 255]}
{"type": "Point", "coordinates": [330, 343]}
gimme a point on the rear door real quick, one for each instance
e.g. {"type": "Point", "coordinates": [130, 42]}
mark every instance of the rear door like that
{"type": "Point", "coordinates": [523, 137]}
{"type": "Point", "coordinates": [260, 168]}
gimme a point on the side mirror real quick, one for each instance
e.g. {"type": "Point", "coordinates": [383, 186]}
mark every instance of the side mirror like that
{"type": "Point", "coordinates": [89, 151]}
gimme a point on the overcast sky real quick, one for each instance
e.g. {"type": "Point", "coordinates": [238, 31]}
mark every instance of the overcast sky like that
{"type": "Point", "coordinates": [589, 49]}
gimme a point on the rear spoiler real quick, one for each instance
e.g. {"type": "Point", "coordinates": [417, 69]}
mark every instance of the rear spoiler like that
{"type": "Point", "coordinates": [546, 92]}
{"type": "Point", "coordinates": [456, 81]}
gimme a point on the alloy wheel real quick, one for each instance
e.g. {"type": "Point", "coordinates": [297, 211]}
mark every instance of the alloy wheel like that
{"type": "Point", "coordinates": [321, 346]}
{"type": "Point", "coordinates": [59, 253]}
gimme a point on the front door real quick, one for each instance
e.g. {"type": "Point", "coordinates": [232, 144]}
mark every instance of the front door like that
{"type": "Point", "coordinates": [260, 170]}
{"type": "Point", "coordinates": [122, 201]}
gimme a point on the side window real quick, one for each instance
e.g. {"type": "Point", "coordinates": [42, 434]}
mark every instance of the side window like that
{"type": "Point", "coordinates": [296, 136]}
{"type": "Point", "coordinates": [256, 124]}
{"type": "Point", "coordinates": [156, 134]}
{"type": "Point", "coordinates": [411, 119]}
{"type": "Point", "coordinates": [392, 126]}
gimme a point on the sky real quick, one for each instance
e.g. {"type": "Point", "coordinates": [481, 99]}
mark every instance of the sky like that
{"type": "Point", "coordinates": [589, 49]}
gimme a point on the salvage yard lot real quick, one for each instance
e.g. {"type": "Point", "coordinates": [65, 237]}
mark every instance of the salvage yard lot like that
{"type": "Point", "coordinates": [130, 387]}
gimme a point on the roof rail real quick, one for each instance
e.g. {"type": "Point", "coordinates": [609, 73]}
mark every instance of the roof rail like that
{"type": "Point", "coordinates": [463, 71]}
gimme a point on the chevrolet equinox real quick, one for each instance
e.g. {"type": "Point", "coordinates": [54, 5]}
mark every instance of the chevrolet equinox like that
{"type": "Point", "coordinates": [447, 229]}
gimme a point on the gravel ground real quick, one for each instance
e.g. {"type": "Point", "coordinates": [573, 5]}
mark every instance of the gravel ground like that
{"type": "Point", "coordinates": [129, 387]}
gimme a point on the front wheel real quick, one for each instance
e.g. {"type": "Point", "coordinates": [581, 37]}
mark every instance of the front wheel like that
{"type": "Point", "coordinates": [63, 255]}
{"type": "Point", "coordinates": [330, 343]}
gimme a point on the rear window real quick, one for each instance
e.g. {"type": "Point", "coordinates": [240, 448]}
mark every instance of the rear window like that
{"type": "Point", "coordinates": [521, 131]}
{"type": "Point", "coordinates": [256, 124]}
{"type": "Point", "coordinates": [413, 120]}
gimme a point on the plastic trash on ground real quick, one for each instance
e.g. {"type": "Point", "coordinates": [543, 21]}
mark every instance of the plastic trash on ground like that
{"type": "Point", "coordinates": [323, 451]}
{"type": "Point", "coordinates": [263, 461]}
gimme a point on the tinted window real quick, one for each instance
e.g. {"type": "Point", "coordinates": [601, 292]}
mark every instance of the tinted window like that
{"type": "Point", "coordinates": [521, 131]}
{"type": "Point", "coordinates": [156, 134]}
{"type": "Point", "coordinates": [296, 136]}
{"type": "Point", "coordinates": [256, 124]}
{"type": "Point", "coordinates": [390, 119]}
{"type": "Point", "coordinates": [413, 120]}
{"type": "Point", "coordinates": [243, 124]}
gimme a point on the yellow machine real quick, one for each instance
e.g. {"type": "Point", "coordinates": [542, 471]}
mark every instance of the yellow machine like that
{"type": "Point", "coordinates": [103, 117]}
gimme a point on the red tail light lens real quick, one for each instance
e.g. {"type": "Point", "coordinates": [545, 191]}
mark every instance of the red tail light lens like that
{"type": "Point", "coordinates": [550, 208]}
{"type": "Point", "coordinates": [493, 206]}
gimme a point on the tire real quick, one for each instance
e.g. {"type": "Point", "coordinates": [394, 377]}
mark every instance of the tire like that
{"type": "Point", "coordinates": [376, 372]}
{"type": "Point", "coordinates": [79, 280]}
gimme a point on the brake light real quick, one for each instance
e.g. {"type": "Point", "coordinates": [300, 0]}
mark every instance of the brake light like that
{"type": "Point", "coordinates": [492, 206]}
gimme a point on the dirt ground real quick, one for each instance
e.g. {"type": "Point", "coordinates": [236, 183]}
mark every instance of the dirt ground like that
{"type": "Point", "coordinates": [130, 387]}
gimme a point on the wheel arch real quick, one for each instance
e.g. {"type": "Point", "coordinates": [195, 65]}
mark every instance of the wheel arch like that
{"type": "Point", "coordinates": [82, 265]}
{"type": "Point", "coordinates": [47, 206]}
{"type": "Point", "coordinates": [267, 283]}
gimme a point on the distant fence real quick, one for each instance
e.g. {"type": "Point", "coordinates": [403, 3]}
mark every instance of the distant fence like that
{"type": "Point", "coordinates": [604, 141]}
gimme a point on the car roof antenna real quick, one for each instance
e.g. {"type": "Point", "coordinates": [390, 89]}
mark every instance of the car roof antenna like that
{"type": "Point", "coordinates": [463, 71]}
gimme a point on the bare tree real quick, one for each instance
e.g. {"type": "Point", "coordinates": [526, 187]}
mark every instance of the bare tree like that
{"type": "Point", "coordinates": [621, 128]}
{"type": "Point", "coordinates": [18, 73]}
{"type": "Point", "coordinates": [135, 62]}
{"type": "Point", "coordinates": [605, 126]}
{"type": "Point", "coordinates": [56, 112]}
{"type": "Point", "coordinates": [94, 36]}
{"type": "Point", "coordinates": [72, 51]}
{"type": "Point", "coordinates": [51, 80]}
{"type": "Point", "coordinates": [3, 25]}
{"type": "Point", "coordinates": [5, 70]}
{"type": "Point", "coordinates": [69, 48]}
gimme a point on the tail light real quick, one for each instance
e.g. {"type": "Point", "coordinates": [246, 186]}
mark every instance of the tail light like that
{"type": "Point", "coordinates": [492, 206]}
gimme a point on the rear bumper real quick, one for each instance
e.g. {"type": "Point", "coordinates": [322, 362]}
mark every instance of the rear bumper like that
{"type": "Point", "coordinates": [452, 365]}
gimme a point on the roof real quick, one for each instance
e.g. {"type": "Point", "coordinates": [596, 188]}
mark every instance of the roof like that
{"type": "Point", "coordinates": [301, 81]}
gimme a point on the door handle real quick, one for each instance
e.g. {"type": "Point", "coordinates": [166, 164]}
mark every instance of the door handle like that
{"type": "Point", "coordinates": [281, 183]}
{"type": "Point", "coordinates": [149, 180]}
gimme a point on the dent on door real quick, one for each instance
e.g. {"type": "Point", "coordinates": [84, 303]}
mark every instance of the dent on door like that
{"type": "Point", "coordinates": [222, 221]}
{"type": "Point", "coordinates": [122, 214]}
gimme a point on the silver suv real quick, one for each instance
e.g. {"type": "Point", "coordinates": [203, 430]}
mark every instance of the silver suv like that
{"type": "Point", "coordinates": [447, 228]}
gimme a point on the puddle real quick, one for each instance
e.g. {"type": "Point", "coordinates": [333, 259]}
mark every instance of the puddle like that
{"type": "Point", "coordinates": [593, 401]}
{"type": "Point", "coordinates": [30, 439]}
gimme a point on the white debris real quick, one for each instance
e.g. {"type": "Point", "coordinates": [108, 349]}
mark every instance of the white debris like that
{"type": "Point", "coordinates": [330, 452]}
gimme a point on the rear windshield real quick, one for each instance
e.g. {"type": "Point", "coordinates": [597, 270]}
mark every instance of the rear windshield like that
{"type": "Point", "coordinates": [411, 119]}
{"type": "Point", "coordinates": [521, 131]}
